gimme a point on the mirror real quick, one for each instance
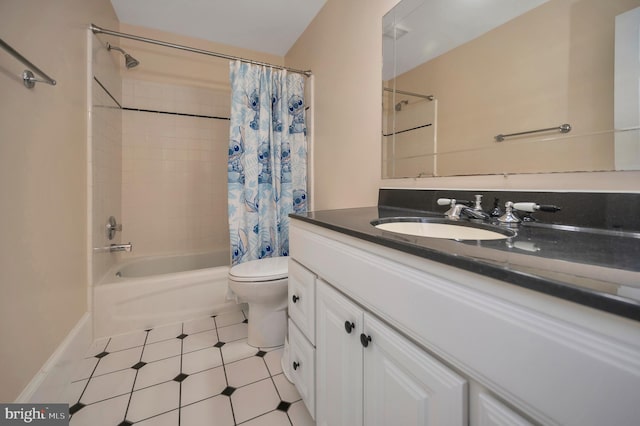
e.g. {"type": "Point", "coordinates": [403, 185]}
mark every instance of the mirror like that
{"type": "Point", "coordinates": [474, 87]}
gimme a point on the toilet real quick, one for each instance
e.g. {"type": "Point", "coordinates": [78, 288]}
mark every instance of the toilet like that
{"type": "Point", "coordinates": [262, 284]}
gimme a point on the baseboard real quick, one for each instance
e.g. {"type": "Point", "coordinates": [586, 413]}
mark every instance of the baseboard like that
{"type": "Point", "coordinates": [50, 384]}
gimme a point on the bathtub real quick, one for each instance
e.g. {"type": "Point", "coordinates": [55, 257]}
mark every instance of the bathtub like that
{"type": "Point", "coordinates": [148, 292]}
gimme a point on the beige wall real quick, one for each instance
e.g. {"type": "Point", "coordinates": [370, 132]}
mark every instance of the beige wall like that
{"type": "Point", "coordinates": [343, 48]}
{"type": "Point", "coordinates": [43, 139]}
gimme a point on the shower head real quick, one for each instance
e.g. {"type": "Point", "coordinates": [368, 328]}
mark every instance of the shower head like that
{"type": "Point", "coordinates": [398, 106]}
{"type": "Point", "coordinates": [129, 61]}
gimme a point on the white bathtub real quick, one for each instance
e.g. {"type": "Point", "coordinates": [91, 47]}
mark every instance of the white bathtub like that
{"type": "Point", "coordinates": [147, 292]}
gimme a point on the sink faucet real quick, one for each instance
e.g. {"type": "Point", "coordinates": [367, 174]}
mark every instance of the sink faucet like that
{"type": "Point", "coordinates": [459, 207]}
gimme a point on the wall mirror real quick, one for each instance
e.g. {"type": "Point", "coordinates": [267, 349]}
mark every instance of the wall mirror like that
{"type": "Point", "coordinates": [466, 81]}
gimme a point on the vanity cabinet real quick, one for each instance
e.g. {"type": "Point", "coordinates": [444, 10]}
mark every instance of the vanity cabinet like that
{"type": "Point", "coordinates": [367, 373]}
{"type": "Point", "coordinates": [436, 329]}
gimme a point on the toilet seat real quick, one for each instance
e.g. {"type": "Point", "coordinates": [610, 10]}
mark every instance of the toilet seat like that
{"type": "Point", "coordinates": [268, 269]}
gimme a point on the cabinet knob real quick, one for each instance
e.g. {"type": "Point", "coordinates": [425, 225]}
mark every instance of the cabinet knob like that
{"type": "Point", "coordinates": [348, 326]}
{"type": "Point", "coordinates": [295, 298]}
{"type": "Point", "coordinates": [364, 339]}
{"type": "Point", "coordinates": [296, 365]}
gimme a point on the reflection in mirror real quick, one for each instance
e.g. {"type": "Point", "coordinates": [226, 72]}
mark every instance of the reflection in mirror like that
{"type": "Point", "coordinates": [458, 73]}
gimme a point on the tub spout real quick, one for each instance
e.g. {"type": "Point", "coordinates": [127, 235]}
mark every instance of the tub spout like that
{"type": "Point", "coordinates": [120, 247]}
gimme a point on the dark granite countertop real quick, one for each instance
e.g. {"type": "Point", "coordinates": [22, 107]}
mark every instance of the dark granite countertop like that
{"type": "Point", "coordinates": [593, 268]}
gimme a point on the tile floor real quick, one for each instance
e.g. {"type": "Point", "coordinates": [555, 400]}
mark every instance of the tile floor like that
{"type": "Point", "coordinates": [200, 372]}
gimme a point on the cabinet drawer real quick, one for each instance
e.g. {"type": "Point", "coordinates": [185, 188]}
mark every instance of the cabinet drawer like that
{"type": "Point", "coordinates": [302, 299]}
{"type": "Point", "coordinates": [303, 364]}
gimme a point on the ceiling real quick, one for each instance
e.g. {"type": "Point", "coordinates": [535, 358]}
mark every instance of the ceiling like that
{"type": "Point", "coordinates": [270, 26]}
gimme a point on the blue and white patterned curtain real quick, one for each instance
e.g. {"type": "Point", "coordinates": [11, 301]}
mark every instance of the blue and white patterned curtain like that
{"type": "Point", "coordinates": [267, 173]}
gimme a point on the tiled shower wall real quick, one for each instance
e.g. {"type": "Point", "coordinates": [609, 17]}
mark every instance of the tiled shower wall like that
{"type": "Point", "coordinates": [174, 168]}
{"type": "Point", "coordinates": [105, 160]}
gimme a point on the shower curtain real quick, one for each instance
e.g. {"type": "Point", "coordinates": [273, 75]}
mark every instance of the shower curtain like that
{"type": "Point", "coordinates": [267, 168]}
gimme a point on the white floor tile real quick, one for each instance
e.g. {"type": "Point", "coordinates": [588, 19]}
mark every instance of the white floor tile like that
{"type": "Point", "coordinates": [166, 419]}
{"type": "Point", "coordinates": [201, 360]}
{"type": "Point", "coordinates": [194, 342]}
{"type": "Point", "coordinates": [97, 347]}
{"type": "Point", "coordinates": [229, 318]}
{"type": "Point", "coordinates": [198, 325]}
{"type": "Point", "coordinates": [165, 332]}
{"type": "Point", "coordinates": [246, 371]}
{"type": "Point", "coordinates": [155, 401]}
{"type": "Point", "coordinates": [84, 369]}
{"type": "Point", "coordinates": [73, 392]}
{"type": "Point", "coordinates": [273, 361]}
{"type": "Point", "coordinates": [214, 411]}
{"type": "Point", "coordinates": [152, 401]}
{"type": "Point", "coordinates": [118, 361]}
{"type": "Point", "coordinates": [203, 385]}
{"type": "Point", "coordinates": [237, 350]}
{"type": "Point", "coordinates": [299, 415]}
{"type": "Point", "coordinates": [232, 332]}
{"type": "Point", "coordinates": [105, 413]}
{"type": "Point", "coordinates": [274, 418]}
{"type": "Point", "coordinates": [108, 386]}
{"type": "Point", "coordinates": [254, 400]}
{"type": "Point", "coordinates": [161, 350]}
{"type": "Point", "coordinates": [158, 372]}
{"type": "Point", "coordinates": [126, 341]}
{"type": "Point", "coordinates": [286, 389]}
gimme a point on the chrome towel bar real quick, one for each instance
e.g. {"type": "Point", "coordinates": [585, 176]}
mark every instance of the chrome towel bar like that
{"type": "Point", "coordinates": [27, 76]}
{"type": "Point", "coordinates": [402, 92]}
{"type": "Point", "coordinates": [563, 128]}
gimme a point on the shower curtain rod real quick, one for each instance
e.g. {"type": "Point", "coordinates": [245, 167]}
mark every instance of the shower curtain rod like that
{"type": "Point", "coordinates": [97, 30]}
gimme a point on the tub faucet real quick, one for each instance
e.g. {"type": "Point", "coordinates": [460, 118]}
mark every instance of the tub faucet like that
{"type": "Point", "coordinates": [120, 247]}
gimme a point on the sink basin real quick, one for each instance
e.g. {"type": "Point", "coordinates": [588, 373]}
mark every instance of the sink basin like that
{"type": "Point", "coordinates": [441, 228]}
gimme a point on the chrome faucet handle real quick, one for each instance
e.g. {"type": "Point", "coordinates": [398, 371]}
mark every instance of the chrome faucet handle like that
{"type": "Point", "coordinates": [451, 202]}
{"type": "Point", "coordinates": [478, 203]}
{"type": "Point", "coordinates": [446, 201]}
{"type": "Point", "coordinates": [529, 208]}
{"type": "Point", "coordinates": [533, 207]}
{"type": "Point", "coordinates": [509, 217]}
{"type": "Point", "coordinates": [113, 227]}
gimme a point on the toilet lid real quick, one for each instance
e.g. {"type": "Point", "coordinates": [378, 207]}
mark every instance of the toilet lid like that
{"type": "Point", "coordinates": [268, 269]}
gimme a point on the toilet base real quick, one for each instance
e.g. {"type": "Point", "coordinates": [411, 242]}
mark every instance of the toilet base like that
{"type": "Point", "coordinates": [267, 327]}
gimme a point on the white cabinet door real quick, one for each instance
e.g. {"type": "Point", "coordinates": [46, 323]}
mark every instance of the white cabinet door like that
{"type": "Point", "coordinates": [403, 385]}
{"type": "Point", "coordinates": [338, 359]}
{"type": "Point", "coordinates": [492, 412]}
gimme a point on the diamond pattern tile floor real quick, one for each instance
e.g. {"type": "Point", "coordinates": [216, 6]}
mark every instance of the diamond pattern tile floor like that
{"type": "Point", "coordinates": [199, 372]}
